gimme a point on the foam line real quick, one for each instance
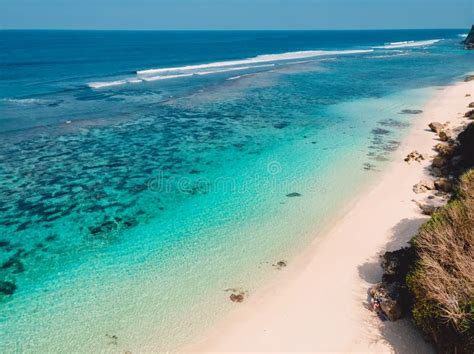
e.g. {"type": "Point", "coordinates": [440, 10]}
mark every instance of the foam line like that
{"type": "Point", "coordinates": [408, 44]}
{"type": "Point", "coordinates": [258, 59]}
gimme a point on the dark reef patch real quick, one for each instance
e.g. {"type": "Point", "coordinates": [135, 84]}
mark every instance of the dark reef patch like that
{"type": "Point", "coordinates": [7, 287]}
{"type": "Point", "coordinates": [293, 194]}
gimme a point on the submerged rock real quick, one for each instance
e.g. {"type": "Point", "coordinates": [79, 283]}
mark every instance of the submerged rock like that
{"type": "Point", "coordinates": [113, 338]}
{"type": "Point", "coordinates": [7, 287]}
{"type": "Point", "coordinates": [279, 265]}
{"type": "Point", "coordinates": [368, 166]}
{"type": "Point", "coordinates": [411, 111]}
{"type": "Point", "coordinates": [293, 194]}
{"type": "Point", "coordinates": [380, 131]}
{"type": "Point", "coordinates": [106, 226]}
{"type": "Point", "coordinates": [237, 295]}
{"type": "Point", "coordinates": [4, 243]}
{"type": "Point", "coordinates": [281, 125]}
{"type": "Point", "coordinates": [14, 264]}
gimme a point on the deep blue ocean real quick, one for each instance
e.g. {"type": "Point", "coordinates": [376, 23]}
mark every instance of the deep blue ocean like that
{"type": "Point", "coordinates": [143, 174]}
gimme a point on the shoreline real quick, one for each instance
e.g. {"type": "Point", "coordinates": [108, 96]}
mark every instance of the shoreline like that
{"type": "Point", "coordinates": [318, 304]}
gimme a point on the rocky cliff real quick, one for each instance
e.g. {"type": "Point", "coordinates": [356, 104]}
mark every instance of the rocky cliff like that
{"type": "Point", "coordinates": [469, 41]}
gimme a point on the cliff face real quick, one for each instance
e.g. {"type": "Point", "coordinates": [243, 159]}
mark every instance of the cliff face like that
{"type": "Point", "coordinates": [469, 41]}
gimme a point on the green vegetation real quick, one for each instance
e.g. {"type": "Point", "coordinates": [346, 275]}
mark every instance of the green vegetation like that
{"type": "Point", "coordinates": [442, 282]}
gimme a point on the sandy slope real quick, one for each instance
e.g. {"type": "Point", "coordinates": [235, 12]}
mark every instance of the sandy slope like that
{"type": "Point", "coordinates": [319, 304]}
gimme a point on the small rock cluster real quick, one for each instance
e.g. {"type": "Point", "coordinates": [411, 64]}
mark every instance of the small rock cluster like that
{"type": "Point", "coordinates": [415, 156]}
{"type": "Point", "coordinates": [443, 132]}
{"type": "Point", "coordinates": [237, 294]}
{"type": "Point", "coordinates": [448, 159]}
{"type": "Point", "coordinates": [423, 186]}
{"type": "Point", "coordinates": [279, 265]}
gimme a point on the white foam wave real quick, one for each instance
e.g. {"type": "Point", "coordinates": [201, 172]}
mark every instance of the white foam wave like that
{"type": "Point", "coordinates": [388, 56]}
{"type": "Point", "coordinates": [165, 77]}
{"type": "Point", "coordinates": [98, 85]}
{"type": "Point", "coordinates": [241, 76]}
{"type": "Point", "coordinates": [202, 73]}
{"type": "Point", "coordinates": [106, 84]}
{"type": "Point", "coordinates": [255, 60]}
{"type": "Point", "coordinates": [233, 69]}
{"type": "Point", "coordinates": [462, 35]}
{"type": "Point", "coordinates": [27, 101]}
{"type": "Point", "coordinates": [408, 44]}
{"type": "Point", "coordinates": [221, 67]}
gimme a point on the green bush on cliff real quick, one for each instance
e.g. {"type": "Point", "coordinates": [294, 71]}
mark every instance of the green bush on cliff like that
{"type": "Point", "coordinates": [442, 282]}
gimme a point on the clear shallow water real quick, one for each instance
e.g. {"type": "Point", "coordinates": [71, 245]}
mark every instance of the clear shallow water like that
{"type": "Point", "coordinates": [128, 209]}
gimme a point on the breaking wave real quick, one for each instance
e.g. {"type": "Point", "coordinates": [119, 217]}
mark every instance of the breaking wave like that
{"type": "Point", "coordinates": [259, 61]}
{"type": "Point", "coordinates": [408, 44]}
{"type": "Point", "coordinates": [31, 101]}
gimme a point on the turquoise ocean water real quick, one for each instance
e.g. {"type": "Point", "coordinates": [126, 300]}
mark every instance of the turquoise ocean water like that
{"type": "Point", "coordinates": [144, 173]}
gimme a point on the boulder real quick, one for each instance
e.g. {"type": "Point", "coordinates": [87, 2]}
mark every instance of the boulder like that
{"type": "Point", "coordinates": [444, 135]}
{"type": "Point", "coordinates": [389, 297]}
{"type": "Point", "coordinates": [469, 114]}
{"type": "Point", "coordinates": [435, 171]}
{"type": "Point", "coordinates": [423, 186]}
{"type": "Point", "coordinates": [471, 105]}
{"type": "Point", "coordinates": [469, 78]}
{"type": "Point", "coordinates": [456, 160]}
{"type": "Point", "coordinates": [436, 127]}
{"type": "Point", "coordinates": [427, 209]}
{"type": "Point", "coordinates": [465, 147]}
{"type": "Point", "coordinates": [439, 162]}
{"type": "Point", "coordinates": [395, 264]}
{"type": "Point", "coordinates": [443, 184]}
{"type": "Point", "coordinates": [444, 149]}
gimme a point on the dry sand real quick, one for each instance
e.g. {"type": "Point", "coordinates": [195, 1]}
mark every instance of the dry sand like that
{"type": "Point", "coordinates": [318, 304]}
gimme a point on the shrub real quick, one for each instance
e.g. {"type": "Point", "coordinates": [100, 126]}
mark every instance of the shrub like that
{"type": "Point", "coordinates": [442, 282]}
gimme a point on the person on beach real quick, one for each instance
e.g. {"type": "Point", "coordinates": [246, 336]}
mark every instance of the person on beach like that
{"type": "Point", "coordinates": [375, 302]}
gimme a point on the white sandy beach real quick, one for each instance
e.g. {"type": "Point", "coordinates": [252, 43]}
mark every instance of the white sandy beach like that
{"type": "Point", "coordinates": [318, 302]}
